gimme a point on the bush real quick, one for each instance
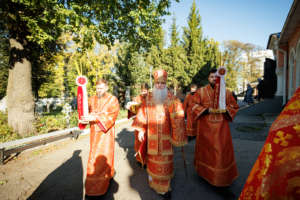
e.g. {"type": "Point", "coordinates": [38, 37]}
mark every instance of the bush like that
{"type": "Point", "coordinates": [6, 133]}
{"type": "Point", "coordinates": [49, 123]}
{"type": "Point", "coordinates": [45, 123]}
{"type": "Point", "coordinates": [122, 114]}
{"type": "Point", "coordinates": [74, 119]}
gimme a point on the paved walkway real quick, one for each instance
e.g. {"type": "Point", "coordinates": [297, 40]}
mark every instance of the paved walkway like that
{"type": "Point", "coordinates": [57, 171]}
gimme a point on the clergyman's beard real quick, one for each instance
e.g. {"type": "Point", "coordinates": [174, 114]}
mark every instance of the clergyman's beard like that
{"type": "Point", "coordinates": [160, 95]}
{"type": "Point", "coordinates": [212, 85]}
{"type": "Point", "coordinates": [100, 95]}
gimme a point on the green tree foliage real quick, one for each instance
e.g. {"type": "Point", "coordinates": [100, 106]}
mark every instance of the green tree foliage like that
{"type": "Point", "coordinates": [133, 65]}
{"type": "Point", "coordinates": [176, 61]}
{"type": "Point", "coordinates": [54, 86]}
{"type": "Point", "coordinates": [240, 62]}
{"type": "Point", "coordinates": [232, 61]}
{"type": "Point", "coordinates": [93, 63]}
{"type": "Point", "coordinates": [192, 36]}
{"type": "Point", "coordinates": [202, 53]}
{"type": "Point", "coordinates": [4, 66]}
{"type": "Point", "coordinates": [174, 34]}
{"type": "Point", "coordinates": [156, 52]}
{"type": "Point", "coordinates": [34, 28]}
{"type": "Point", "coordinates": [211, 56]}
{"type": "Point", "coordinates": [130, 71]}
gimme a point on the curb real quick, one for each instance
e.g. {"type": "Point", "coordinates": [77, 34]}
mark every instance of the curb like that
{"type": "Point", "coordinates": [46, 135]}
{"type": "Point", "coordinates": [17, 146]}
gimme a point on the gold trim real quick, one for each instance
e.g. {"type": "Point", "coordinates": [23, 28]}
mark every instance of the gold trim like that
{"type": "Point", "coordinates": [215, 169]}
{"type": "Point", "coordinates": [178, 144]}
{"type": "Point", "coordinates": [200, 113]}
{"type": "Point", "coordinates": [152, 136]}
{"type": "Point", "coordinates": [161, 162]}
{"type": "Point", "coordinates": [165, 136]}
{"type": "Point", "coordinates": [159, 188]}
{"type": "Point", "coordinates": [167, 153]}
{"type": "Point", "coordinates": [179, 113]}
{"type": "Point", "coordinates": [152, 152]}
{"type": "Point", "coordinates": [141, 160]}
{"type": "Point", "coordinates": [194, 107]}
{"type": "Point", "coordinates": [283, 122]}
{"type": "Point", "coordinates": [165, 177]}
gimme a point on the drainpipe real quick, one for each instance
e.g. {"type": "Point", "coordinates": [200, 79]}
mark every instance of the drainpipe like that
{"type": "Point", "coordinates": [284, 74]}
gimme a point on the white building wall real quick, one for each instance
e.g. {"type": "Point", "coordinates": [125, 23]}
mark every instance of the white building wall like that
{"type": "Point", "coordinates": [261, 55]}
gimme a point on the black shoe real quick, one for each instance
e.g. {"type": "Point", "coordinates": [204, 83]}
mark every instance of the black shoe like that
{"type": "Point", "coordinates": [225, 192]}
{"type": "Point", "coordinates": [166, 196]}
{"type": "Point", "coordinates": [190, 138]}
{"type": "Point", "coordinates": [140, 165]}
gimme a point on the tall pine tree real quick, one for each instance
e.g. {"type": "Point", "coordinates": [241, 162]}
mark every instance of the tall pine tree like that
{"type": "Point", "coordinates": [176, 61]}
{"type": "Point", "coordinates": [156, 52]}
{"type": "Point", "coordinates": [194, 45]}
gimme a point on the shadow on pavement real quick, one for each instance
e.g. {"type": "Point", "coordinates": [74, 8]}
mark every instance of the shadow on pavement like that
{"type": "Point", "coordinates": [101, 169]}
{"type": "Point", "coordinates": [112, 189]}
{"type": "Point", "coordinates": [65, 182]}
{"type": "Point", "coordinates": [139, 179]}
{"type": "Point", "coordinates": [183, 188]}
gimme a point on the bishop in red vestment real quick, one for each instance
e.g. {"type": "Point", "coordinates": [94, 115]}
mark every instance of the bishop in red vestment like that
{"type": "Point", "coordinates": [160, 120]}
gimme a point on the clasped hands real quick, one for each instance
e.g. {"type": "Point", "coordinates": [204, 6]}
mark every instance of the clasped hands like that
{"type": "Point", "coordinates": [130, 103]}
{"type": "Point", "coordinates": [87, 119]}
{"type": "Point", "coordinates": [215, 111]}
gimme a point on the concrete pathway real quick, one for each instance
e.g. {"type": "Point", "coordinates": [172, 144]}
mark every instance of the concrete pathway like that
{"type": "Point", "coordinates": [57, 171]}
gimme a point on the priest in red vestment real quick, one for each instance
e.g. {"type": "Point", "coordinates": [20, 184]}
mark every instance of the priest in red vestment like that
{"type": "Point", "coordinates": [276, 172]}
{"type": "Point", "coordinates": [133, 107]}
{"type": "Point", "coordinates": [191, 125]}
{"type": "Point", "coordinates": [160, 120]}
{"type": "Point", "coordinates": [214, 156]}
{"type": "Point", "coordinates": [103, 112]}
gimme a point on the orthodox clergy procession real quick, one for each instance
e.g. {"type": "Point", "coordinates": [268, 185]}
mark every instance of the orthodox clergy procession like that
{"type": "Point", "coordinates": [149, 100]}
{"type": "Point", "coordinates": [159, 124]}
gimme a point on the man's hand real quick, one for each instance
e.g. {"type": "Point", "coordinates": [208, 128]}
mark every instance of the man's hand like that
{"type": "Point", "coordinates": [130, 103]}
{"type": "Point", "coordinates": [83, 121]}
{"type": "Point", "coordinates": [88, 118]}
{"type": "Point", "coordinates": [141, 136]}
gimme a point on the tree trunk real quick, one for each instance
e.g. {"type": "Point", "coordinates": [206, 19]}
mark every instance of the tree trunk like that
{"type": "Point", "coordinates": [20, 102]}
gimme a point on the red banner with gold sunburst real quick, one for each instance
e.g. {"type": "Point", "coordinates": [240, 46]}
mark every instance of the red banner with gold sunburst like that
{"type": "Point", "coordinates": [276, 172]}
{"type": "Point", "coordinates": [82, 99]}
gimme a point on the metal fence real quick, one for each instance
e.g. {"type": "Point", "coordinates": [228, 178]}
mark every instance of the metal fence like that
{"type": "Point", "coordinates": [17, 146]}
